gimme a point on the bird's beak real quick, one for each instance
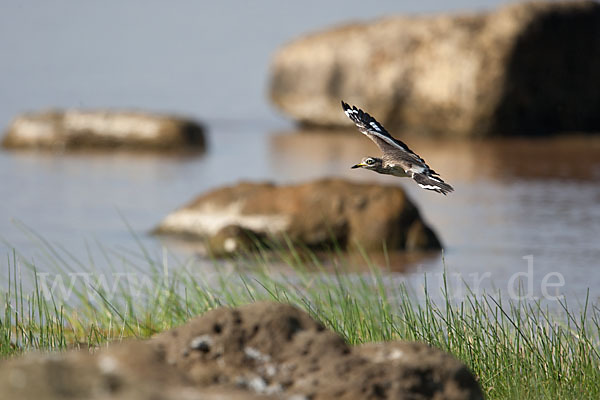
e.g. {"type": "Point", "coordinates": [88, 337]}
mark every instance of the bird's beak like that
{"type": "Point", "coordinates": [357, 166]}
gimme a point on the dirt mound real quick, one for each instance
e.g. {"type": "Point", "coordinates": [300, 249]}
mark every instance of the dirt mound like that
{"type": "Point", "coordinates": [262, 350]}
{"type": "Point", "coordinates": [317, 214]}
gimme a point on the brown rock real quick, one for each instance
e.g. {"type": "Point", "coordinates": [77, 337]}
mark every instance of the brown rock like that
{"type": "Point", "coordinates": [279, 349]}
{"type": "Point", "coordinates": [129, 371]}
{"type": "Point", "coordinates": [316, 214]}
{"type": "Point", "coordinates": [527, 68]}
{"type": "Point", "coordinates": [425, 369]}
{"type": "Point", "coordinates": [72, 129]}
{"type": "Point", "coordinates": [259, 351]}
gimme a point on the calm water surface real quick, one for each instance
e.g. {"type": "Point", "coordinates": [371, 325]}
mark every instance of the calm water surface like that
{"type": "Point", "coordinates": [520, 206]}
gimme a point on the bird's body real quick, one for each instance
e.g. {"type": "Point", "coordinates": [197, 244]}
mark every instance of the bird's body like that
{"type": "Point", "coordinates": [397, 159]}
{"type": "Point", "coordinates": [382, 166]}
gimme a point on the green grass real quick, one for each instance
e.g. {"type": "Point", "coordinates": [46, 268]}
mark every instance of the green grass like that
{"type": "Point", "coordinates": [516, 350]}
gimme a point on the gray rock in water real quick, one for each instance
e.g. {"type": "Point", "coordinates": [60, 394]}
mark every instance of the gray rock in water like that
{"type": "Point", "coordinates": [527, 68]}
{"type": "Point", "coordinates": [72, 129]}
{"type": "Point", "coordinates": [315, 214]}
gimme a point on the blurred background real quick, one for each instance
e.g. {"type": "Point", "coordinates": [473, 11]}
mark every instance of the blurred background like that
{"type": "Point", "coordinates": [210, 61]}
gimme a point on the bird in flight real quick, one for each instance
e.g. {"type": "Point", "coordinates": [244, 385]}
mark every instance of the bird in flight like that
{"type": "Point", "coordinates": [397, 159]}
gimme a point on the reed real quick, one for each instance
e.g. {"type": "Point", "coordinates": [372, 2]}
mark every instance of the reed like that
{"type": "Point", "coordinates": [516, 349]}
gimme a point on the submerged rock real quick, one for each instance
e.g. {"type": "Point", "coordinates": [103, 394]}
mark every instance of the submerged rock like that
{"type": "Point", "coordinates": [72, 129]}
{"type": "Point", "coordinates": [263, 350]}
{"type": "Point", "coordinates": [527, 68]}
{"type": "Point", "coordinates": [327, 212]}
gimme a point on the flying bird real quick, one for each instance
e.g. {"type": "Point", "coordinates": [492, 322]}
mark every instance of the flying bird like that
{"type": "Point", "coordinates": [397, 159]}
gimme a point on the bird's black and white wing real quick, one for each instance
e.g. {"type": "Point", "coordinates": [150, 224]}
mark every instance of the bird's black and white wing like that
{"type": "Point", "coordinates": [396, 151]}
{"type": "Point", "coordinates": [376, 132]}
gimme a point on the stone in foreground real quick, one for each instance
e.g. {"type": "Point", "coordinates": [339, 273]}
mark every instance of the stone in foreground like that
{"type": "Point", "coordinates": [316, 214]}
{"type": "Point", "coordinates": [527, 68]}
{"type": "Point", "coordinates": [77, 129]}
{"type": "Point", "coordinates": [263, 350]}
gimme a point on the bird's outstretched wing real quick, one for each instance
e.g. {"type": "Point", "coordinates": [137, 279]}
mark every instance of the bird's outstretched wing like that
{"type": "Point", "coordinates": [430, 181]}
{"type": "Point", "coordinates": [375, 131]}
{"type": "Point", "coordinates": [396, 152]}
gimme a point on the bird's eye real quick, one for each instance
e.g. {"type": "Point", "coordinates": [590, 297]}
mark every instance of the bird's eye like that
{"type": "Point", "coordinates": [370, 161]}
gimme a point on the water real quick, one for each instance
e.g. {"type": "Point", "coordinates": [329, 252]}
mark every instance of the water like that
{"type": "Point", "coordinates": [515, 198]}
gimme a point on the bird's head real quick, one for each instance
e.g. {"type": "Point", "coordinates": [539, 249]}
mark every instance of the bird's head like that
{"type": "Point", "coordinates": [371, 163]}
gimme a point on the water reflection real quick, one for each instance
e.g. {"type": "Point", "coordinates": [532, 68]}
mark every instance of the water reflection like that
{"type": "Point", "coordinates": [573, 157]}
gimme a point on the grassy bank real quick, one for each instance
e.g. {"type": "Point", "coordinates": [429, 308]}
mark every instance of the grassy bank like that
{"type": "Point", "coordinates": [517, 350]}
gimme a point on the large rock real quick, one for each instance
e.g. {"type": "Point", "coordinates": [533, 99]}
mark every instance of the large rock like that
{"type": "Point", "coordinates": [528, 68]}
{"type": "Point", "coordinates": [259, 351]}
{"type": "Point", "coordinates": [316, 214]}
{"type": "Point", "coordinates": [275, 348]}
{"type": "Point", "coordinates": [92, 129]}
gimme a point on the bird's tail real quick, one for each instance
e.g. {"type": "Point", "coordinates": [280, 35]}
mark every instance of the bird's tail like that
{"type": "Point", "coordinates": [432, 182]}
